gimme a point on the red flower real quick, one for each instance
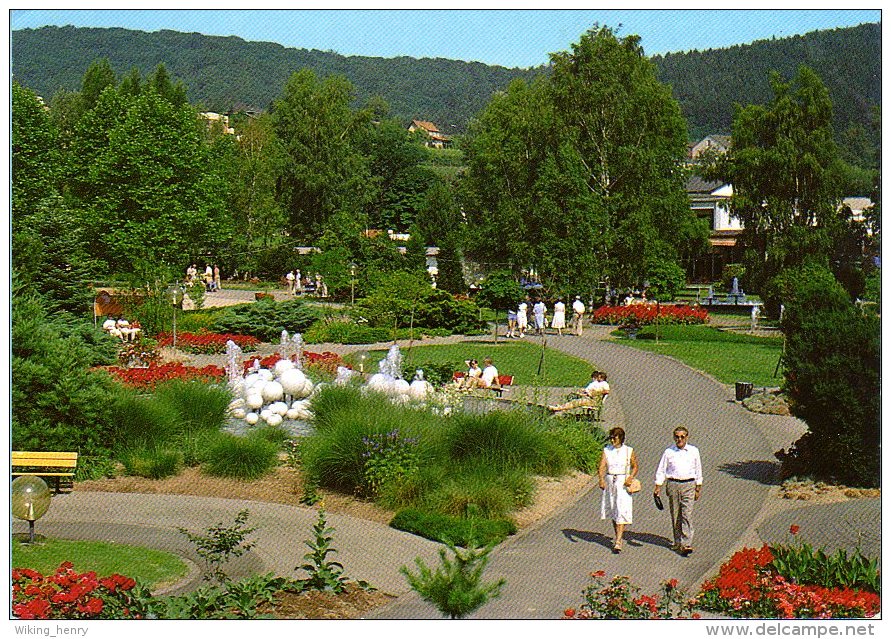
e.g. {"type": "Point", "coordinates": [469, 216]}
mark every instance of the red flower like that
{"type": "Point", "coordinates": [794, 529]}
{"type": "Point", "coordinates": [599, 573]}
{"type": "Point", "coordinates": [672, 583]}
{"type": "Point", "coordinates": [569, 612]}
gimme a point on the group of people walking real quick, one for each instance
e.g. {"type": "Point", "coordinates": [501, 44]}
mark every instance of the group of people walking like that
{"type": "Point", "coordinates": [297, 284]}
{"type": "Point", "coordinates": [518, 319]}
{"type": "Point", "coordinates": [210, 279]}
{"type": "Point", "coordinates": [679, 471]}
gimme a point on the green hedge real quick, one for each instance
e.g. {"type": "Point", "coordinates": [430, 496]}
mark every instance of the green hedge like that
{"type": "Point", "coordinates": [266, 319]}
{"type": "Point", "coordinates": [457, 530]}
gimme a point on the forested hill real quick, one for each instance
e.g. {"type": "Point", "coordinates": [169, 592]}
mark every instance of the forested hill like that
{"type": "Point", "coordinates": [707, 83]}
{"type": "Point", "coordinates": [226, 72]}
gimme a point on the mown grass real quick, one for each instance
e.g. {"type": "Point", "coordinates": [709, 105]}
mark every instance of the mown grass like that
{"type": "Point", "coordinates": [520, 359]}
{"type": "Point", "coordinates": [153, 567]}
{"type": "Point", "coordinates": [728, 357]}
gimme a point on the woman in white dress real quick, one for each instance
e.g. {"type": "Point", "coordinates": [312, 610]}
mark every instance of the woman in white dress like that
{"type": "Point", "coordinates": [618, 466]}
{"type": "Point", "coordinates": [559, 321]}
{"type": "Point", "coordinates": [522, 319]}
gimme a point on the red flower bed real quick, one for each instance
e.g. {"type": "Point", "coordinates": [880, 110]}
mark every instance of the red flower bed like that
{"type": "Point", "coordinates": [147, 378]}
{"type": "Point", "coordinates": [643, 314]}
{"type": "Point", "coordinates": [327, 361]}
{"type": "Point", "coordinates": [207, 343]}
{"type": "Point", "coordinates": [69, 595]}
{"type": "Point", "coordinates": [748, 586]}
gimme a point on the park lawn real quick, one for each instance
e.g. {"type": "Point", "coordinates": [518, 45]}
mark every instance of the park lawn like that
{"type": "Point", "coordinates": [520, 359]}
{"type": "Point", "coordinates": [728, 357]}
{"type": "Point", "coordinates": [155, 568]}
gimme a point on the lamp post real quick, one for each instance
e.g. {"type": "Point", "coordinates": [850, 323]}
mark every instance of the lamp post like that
{"type": "Point", "coordinates": [29, 500]}
{"type": "Point", "coordinates": [352, 283]}
{"type": "Point", "coordinates": [175, 295]}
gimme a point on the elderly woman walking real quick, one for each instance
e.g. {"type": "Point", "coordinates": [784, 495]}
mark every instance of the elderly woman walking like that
{"type": "Point", "coordinates": [618, 467]}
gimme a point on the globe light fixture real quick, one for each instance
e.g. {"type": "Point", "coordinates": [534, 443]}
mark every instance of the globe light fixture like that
{"type": "Point", "coordinates": [361, 356]}
{"type": "Point", "coordinates": [29, 500]}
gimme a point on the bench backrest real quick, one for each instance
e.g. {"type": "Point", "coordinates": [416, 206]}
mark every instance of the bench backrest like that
{"type": "Point", "coordinates": [54, 459]}
{"type": "Point", "coordinates": [505, 380]}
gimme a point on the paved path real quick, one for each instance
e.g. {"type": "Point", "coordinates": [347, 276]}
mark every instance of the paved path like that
{"type": "Point", "coordinates": [547, 565]}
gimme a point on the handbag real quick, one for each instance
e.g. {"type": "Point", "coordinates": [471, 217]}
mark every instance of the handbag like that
{"type": "Point", "coordinates": [634, 487]}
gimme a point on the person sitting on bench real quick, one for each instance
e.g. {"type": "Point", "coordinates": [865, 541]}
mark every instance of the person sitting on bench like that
{"type": "Point", "coordinates": [488, 378]}
{"type": "Point", "coordinates": [473, 372]}
{"type": "Point", "coordinates": [594, 394]}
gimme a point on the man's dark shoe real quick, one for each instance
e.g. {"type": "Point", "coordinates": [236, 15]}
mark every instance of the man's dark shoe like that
{"type": "Point", "coordinates": [686, 551]}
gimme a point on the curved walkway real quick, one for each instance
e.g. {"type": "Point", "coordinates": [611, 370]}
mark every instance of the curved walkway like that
{"type": "Point", "coordinates": [547, 565]}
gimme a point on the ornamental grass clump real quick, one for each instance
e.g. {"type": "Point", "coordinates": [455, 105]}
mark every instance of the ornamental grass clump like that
{"type": "Point", "coordinates": [247, 458]}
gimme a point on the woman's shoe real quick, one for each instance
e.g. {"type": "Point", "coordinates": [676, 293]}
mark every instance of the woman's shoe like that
{"type": "Point", "coordinates": [617, 547]}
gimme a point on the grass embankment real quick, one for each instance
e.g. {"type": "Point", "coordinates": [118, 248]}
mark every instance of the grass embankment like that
{"type": "Point", "coordinates": [155, 568]}
{"type": "Point", "coordinates": [520, 359]}
{"type": "Point", "coordinates": [728, 357]}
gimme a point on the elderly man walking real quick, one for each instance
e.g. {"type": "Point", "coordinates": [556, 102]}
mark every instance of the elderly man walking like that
{"type": "Point", "coordinates": [680, 470]}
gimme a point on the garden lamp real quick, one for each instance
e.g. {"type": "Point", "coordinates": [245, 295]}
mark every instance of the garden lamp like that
{"type": "Point", "coordinates": [361, 356]}
{"type": "Point", "coordinates": [29, 500]}
{"type": "Point", "coordinates": [175, 295]}
{"type": "Point", "coordinates": [352, 283]}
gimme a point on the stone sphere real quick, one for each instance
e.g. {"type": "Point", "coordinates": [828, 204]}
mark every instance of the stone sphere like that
{"type": "Point", "coordinates": [265, 374]}
{"type": "Point", "coordinates": [274, 419]}
{"type": "Point", "coordinates": [29, 497]}
{"type": "Point", "coordinates": [279, 408]}
{"type": "Point", "coordinates": [265, 413]}
{"type": "Point", "coordinates": [293, 413]}
{"type": "Point", "coordinates": [251, 379]}
{"type": "Point", "coordinates": [282, 365]}
{"type": "Point", "coordinates": [292, 381]}
{"type": "Point", "coordinates": [401, 386]}
{"type": "Point", "coordinates": [238, 413]}
{"type": "Point", "coordinates": [252, 418]}
{"type": "Point", "coordinates": [254, 400]}
{"type": "Point", "coordinates": [272, 391]}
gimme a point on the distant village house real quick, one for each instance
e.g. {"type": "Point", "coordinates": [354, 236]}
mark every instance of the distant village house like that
{"type": "Point", "coordinates": [435, 139]}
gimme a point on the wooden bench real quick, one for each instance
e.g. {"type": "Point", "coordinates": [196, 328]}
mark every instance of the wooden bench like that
{"type": "Point", "coordinates": [594, 412]}
{"type": "Point", "coordinates": [57, 465]}
{"type": "Point", "coordinates": [503, 380]}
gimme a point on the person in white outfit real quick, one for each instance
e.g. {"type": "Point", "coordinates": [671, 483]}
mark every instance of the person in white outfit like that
{"type": "Point", "coordinates": [559, 320]}
{"type": "Point", "coordinates": [618, 466]}
{"type": "Point", "coordinates": [578, 313]}
{"type": "Point", "coordinates": [522, 319]}
{"type": "Point", "coordinates": [538, 310]}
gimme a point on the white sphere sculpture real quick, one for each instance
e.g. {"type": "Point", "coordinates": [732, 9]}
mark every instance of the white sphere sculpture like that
{"type": "Point", "coordinates": [274, 419]}
{"type": "Point", "coordinates": [265, 374]}
{"type": "Point", "coordinates": [252, 418]}
{"type": "Point", "coordinates": [239, 413]}
{"type": "Point", "coordinates": [282, 365]}
{"type": "Point", "coordinates": [401, 386]}
{"type": "Point", "coordinates": [254, 400]}
{"type": "Point", "coordinates": [280, 408]}
{"type": "Point", "coordinates": [292, 381]}
{"type": "Point", "coordinates": [272, 391]}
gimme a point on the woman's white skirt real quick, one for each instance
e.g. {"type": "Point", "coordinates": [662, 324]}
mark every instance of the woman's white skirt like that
{"type": "Point", "coordinates": [616, 502]}
{"type": "Point", "coordinates": [559, 321]}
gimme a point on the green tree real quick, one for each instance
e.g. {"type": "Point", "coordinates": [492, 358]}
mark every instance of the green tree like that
{"type": "Point", "coordinates": [832, 375]}
{"type": "Point", "coordinates": [35, 162]}
{"type": "Point", "coordinates": [152, 190]}
{"type": "Point", "coordinates": [324, 172]}
{"type": "Point", "coordinates": [782, 166]}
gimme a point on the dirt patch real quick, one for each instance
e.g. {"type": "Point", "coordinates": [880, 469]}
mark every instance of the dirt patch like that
{"type": "Point", "coordinates": [822, 493]}
{"type": "Point", "coordinates": [314, 604]}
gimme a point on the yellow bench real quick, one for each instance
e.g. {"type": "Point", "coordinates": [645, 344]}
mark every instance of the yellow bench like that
{"type": "Point", "coordinates": [57, 465]}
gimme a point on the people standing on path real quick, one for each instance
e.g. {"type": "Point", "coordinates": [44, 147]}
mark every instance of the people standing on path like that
{"type": "Point", "coordinates": [511, 323]}
{"type": "Point", "coordinates": [559, 321]}
{"type": "Point", "coordinates": [208, 278]}
{"type": "Point", "coordinates": [217, 281]}
{"type": "Point", "coordinates": [618, 467]}
{"type": "Point", "coordinates": [298, 282]}
{"type": "Point", "coordinates": [538, 310]}
{"type": "Point", "coordinates": [680, 470]}
{"type": "Point", "coordinates": [578, 314]}
{"type": "Point", "coordinates": [290, 277]}
{"type": "Point", "coordinates": [522, 319]}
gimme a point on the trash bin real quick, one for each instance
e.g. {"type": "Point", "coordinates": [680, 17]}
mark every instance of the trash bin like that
{"type": "Point", "coordinates": [743, 390]}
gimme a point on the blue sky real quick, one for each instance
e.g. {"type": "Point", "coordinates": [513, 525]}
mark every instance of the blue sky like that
{"type": "Point", "coordinates": [508, 37]}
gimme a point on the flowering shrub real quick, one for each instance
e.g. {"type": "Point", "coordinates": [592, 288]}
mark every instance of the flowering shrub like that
{"type": "Point", "coordinates": [140, 353]}
{"type": "Point", "coordinates": [749, 585]}
{"type": "Point", "coordinates": [69, 595]}
{"type": "Point", "coordinates": [389, 458]}
{"type": "Point", "coordinates": [643, 314]}
{"type": "Point", "coordinates": [204, 343]}
{"type": "Point", "coordinates": [147, 378]}
{"type": "Point", "coordinates": [621, 600]}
